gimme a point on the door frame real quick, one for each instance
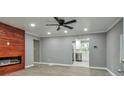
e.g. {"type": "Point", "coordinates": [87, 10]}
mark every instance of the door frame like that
{"type": "Point", "coordinates": [87, 40]}
{"type": "Point", "coordinates": [33, 49]}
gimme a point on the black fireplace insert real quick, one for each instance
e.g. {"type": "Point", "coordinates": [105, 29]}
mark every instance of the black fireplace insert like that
{"type": "Point", "coordinates": [7, 61]}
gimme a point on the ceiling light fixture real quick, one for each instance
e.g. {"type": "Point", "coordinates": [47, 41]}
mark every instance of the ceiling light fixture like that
{"type": "Point", "coordinates": [33, 25]}
{"type": "Point", "coordinates": [65, 31]}
{"type": "Point", "coordinates": [49, 33]}
{"type": "Point", "coordinates": [85, 29]}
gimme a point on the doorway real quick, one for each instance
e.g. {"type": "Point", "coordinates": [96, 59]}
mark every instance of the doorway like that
{"type": "Point", "coordinates": [36, 44]}
{"type": "Point", "coordinates": [80, 52]}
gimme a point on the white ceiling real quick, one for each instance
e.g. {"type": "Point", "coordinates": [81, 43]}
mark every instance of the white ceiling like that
{"type": "Point", "coordinates": [94, 25]}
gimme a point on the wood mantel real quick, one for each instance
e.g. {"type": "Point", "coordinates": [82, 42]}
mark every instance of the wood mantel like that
{"type": "Point", "coordinates": [12, 44]}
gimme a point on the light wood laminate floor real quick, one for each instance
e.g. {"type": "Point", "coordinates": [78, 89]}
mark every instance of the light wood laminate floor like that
{"type": "Point", "coordinates": [55, 70]}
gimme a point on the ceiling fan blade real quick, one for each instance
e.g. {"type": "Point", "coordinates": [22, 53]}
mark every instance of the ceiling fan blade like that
{"type": "Point", "coordinates": [51, 24]}
{"type": "Point", "coordinates": [68, 26]}
{"type": "Point", "coordinates": [72, 21]}
{"type": "Point", "coordinates": [57, 19]}
{"type": "Point", "coordinates": [58, 28]}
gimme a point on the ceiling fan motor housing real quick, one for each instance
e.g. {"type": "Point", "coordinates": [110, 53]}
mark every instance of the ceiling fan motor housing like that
{"type": "Point", "coordinates": [61, 21]}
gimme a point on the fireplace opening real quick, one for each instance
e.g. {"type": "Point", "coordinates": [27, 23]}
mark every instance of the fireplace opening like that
{"type": "Point", "coordinates": [6, 61]}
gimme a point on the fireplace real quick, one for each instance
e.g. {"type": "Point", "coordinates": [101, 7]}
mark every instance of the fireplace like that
{"type": "Point", "coordinates": [12, 49]}
{"type": "Point", "coordinates": [7, 61]}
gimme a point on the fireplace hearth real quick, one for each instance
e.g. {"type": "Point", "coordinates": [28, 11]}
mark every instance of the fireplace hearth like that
{"type": "Point", "coordinates": [7, 61]}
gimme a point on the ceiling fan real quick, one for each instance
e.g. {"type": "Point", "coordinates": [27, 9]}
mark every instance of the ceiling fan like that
{"type": "Point", "coordinates": [62, 22]}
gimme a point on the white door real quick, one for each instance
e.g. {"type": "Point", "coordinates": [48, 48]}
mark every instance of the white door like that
{"type": "Point", "coordinates": [80, 53]}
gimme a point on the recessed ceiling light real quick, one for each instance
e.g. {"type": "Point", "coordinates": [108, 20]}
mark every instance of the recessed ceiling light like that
{"type": "Point", "coordinates": [85, 29]}
{"type": "Point", "coordinates": [33, 25]}
{"type": "Point", "coordinates": [65, 31]}
{"type": "Point", "coordinates": [49, 33]}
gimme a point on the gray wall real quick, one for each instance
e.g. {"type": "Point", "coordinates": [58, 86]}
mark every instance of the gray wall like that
{"type": "Point", "coordinates": [59, 49]}
{"type": "Point", "coordinates": [113, 48]}
{"type": "Point", "coordinates": [123, 25]}
{"type": "Point", "coordinates": [56, 50]}
{"type": "Point", "coordinates": [29, 49]}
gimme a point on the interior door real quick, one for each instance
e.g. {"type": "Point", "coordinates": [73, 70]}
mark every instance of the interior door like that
{"type": "Point", "coordinates": [36, 51]}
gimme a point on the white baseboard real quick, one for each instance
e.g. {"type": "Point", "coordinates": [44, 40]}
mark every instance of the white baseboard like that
{"type": "Point", "coordinates": [52, 63]}
{"type": "Point", "coordinates": [29, 66]}
{"type": "Point", "coordinates": [104, 68]}
{"type": "Point", "coordinates": [111, 72]}
{"type": "Point", "coordinates": [101, 68]}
